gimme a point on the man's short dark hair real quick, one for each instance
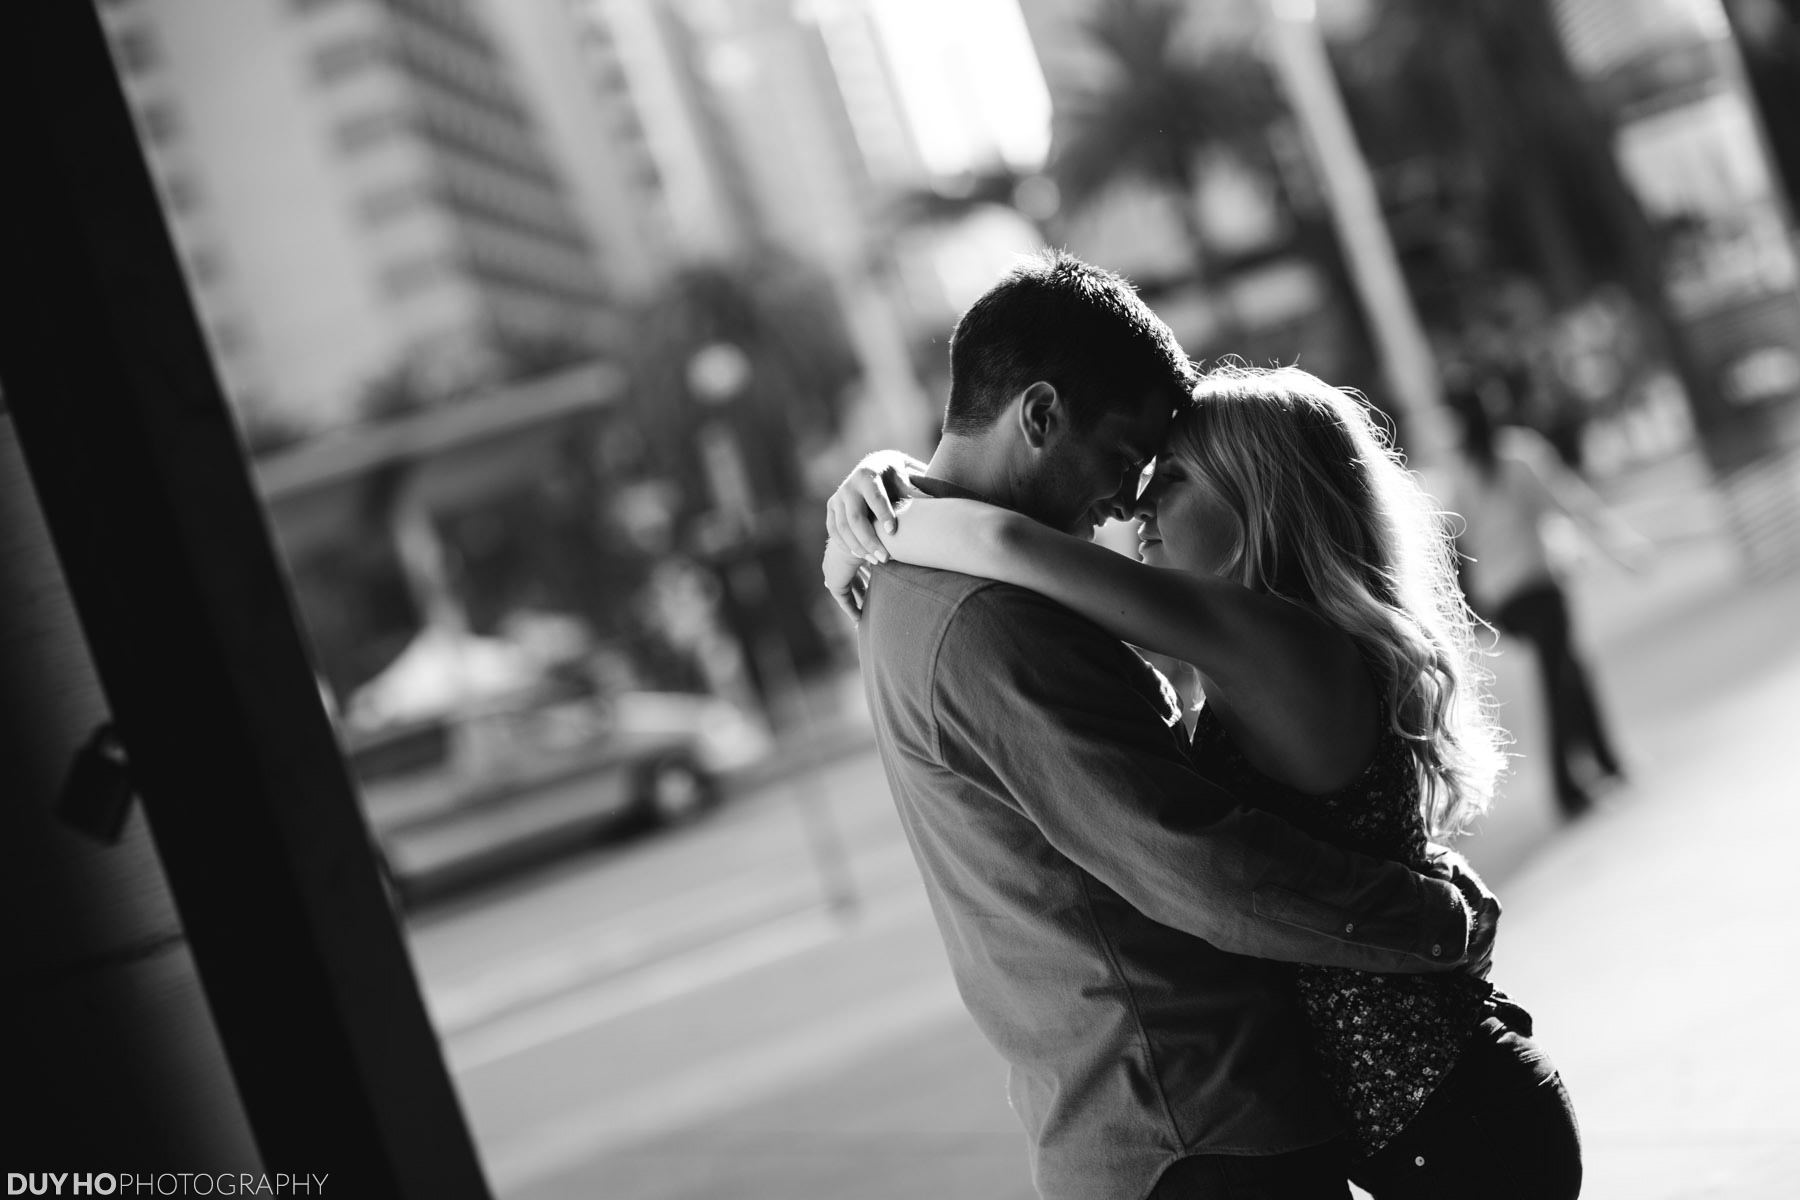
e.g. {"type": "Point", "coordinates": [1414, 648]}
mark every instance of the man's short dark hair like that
{"type": "Point", "coordinates": [1080, 328]}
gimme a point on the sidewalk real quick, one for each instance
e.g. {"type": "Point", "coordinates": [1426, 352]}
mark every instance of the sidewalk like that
{"type": "Point", "coordinates": [1653, 941]}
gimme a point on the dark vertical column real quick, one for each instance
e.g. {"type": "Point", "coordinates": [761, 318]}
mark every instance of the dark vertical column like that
{"type": "Point", "coordinates": [110, 1054]}
{"type": "Point", "coordinates": [135, 460]}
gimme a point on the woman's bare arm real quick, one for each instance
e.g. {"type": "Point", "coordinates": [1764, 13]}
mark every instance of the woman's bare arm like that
{"type": "Point", "coordinates": [1293, 684]}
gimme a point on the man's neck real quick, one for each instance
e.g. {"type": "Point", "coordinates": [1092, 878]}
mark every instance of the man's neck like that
{"type": "Point", "coordinates": [971, 467]}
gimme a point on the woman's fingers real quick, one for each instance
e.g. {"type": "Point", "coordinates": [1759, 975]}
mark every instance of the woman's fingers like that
{"type": "Point", "coordinates": [874, 492]}
{"type": "Point", "coordinates": [842, 575]}
{"type": "Point", "coordinates": [850, 603]}
{"type": "Point", "coordinates": [848, 522]}
{"type": "Point", "coordinates": [848, 515]}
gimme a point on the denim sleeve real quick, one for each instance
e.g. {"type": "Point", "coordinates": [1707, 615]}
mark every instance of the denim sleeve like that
{"type": "Point", "coordinates": [1057, 718]}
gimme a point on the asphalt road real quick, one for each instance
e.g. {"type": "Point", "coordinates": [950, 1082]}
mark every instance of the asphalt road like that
{"type": "Point", "coordinates": [760, 998]}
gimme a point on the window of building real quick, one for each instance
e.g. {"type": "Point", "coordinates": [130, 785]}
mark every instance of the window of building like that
{"type": "Point", "coordinates": [137, 49]}
{"type": "Point", "coordinates": [413, 275]}
{"type": "Point", "coordinates": [227, 338]}
{"type": "Point", "coordinates": [181, 192]}
{"type": "Point", "coordinates": [161, 124]}
{"type": "Point", "coordinates": [395, 200]}
{"type": "Point", "coordinates": [366, 129]}
{"type": "Point", "coordinates": [206, 265]}
{"type": "Point", "coordinates": [339, 59]}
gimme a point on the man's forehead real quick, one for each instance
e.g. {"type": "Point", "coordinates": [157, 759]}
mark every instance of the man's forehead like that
{"type": "Point", "coordinates": [1140, 431]}
{"type": "Point", "coordinates": [1145, 434]}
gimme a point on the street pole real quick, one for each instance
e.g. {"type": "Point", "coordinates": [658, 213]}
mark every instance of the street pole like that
{"type": "Point", "coordinates": [1304, 71]}
{"type": "Point", "coordinates": [717, 375]}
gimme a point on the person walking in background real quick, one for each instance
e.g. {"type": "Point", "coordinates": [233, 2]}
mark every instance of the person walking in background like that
{"type": "Point", "coordinates": [1289, 558]}
{"type": "Point", "coordinates": [1510, 494]}
{"type": "Point", "coordinates": [1117, 923]}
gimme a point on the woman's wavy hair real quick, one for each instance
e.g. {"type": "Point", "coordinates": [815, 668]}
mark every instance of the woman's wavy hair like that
{"type": "Point", "coordinates": [1329, 516]}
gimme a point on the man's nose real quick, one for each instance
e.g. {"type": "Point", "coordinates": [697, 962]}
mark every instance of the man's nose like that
{"type": "Point", "coordinates": [1124, 504]}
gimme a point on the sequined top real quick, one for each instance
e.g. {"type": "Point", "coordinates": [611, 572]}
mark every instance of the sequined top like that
{"type": "Point", "coordinates": [1383, 1041]}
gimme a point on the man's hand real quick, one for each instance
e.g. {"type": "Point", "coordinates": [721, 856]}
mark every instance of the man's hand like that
{"type": "Point", "coordinates": [1484, 907]}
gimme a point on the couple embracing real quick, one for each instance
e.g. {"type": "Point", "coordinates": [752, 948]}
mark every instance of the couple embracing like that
{"type": "Point", "coordinates": [1230, 960]}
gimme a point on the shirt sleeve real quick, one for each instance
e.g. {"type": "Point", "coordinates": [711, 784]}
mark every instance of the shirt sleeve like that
{"type": "Point", "coordinates": [1049, 712]}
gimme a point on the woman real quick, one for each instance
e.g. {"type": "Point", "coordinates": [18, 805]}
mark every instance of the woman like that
{"type": "Point", "coordinates": [1514, 485]}
{"type": "Point", "coordinates": [1297, 568]}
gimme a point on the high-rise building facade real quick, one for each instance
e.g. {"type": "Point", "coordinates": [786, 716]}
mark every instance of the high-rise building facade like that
{"type": "Point", "coordinates": [353, 184]}
{"type": "Point", "coordinates": [573, 70]}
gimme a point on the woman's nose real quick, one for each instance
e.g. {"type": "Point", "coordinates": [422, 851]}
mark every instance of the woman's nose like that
{"type": "Point", "coordinates": [1144, 507]}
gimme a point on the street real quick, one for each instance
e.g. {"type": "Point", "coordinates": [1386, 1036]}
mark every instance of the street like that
{"type": "Point", "coordinates": [691, 1016]}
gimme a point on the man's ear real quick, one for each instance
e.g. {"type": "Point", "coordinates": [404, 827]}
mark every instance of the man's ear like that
{"type": "Point", "coordinates": [1040, 413]}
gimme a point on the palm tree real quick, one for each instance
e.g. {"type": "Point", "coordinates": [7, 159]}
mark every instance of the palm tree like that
{"type": "Point", "coordinates": [1490, 86]}
{"type": "Point", "coordinates": [1158, 111]}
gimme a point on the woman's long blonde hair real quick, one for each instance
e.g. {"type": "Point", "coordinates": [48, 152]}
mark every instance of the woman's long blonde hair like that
{"type": "Point", "coordinates": [1329, 516]}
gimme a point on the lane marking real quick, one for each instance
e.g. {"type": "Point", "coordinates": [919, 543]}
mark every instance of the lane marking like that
{"type": "Point", "coordinates": [718, 1087]}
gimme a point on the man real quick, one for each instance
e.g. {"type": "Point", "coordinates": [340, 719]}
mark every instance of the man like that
{"type": "Point", "coordinates": [1115, 923]}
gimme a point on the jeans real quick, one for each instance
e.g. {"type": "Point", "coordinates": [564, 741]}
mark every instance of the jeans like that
{"type": "Point", "coordinates": [1316, 1173]}
{"type": "Point", "coordinates": [1540, 614]}
{"type": "Point", "coordinates": [1499, 1127]}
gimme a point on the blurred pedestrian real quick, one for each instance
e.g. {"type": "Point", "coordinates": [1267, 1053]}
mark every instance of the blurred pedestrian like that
{"type": "Point", "coordinates": [1117, 922]}
{"type": "Point", "coordinates": [1291, 560]}
{"type": "Point", "coordinates": [1513, 493]}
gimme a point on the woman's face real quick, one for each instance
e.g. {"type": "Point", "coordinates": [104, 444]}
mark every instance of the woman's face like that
{"type": "Point", "coordinates": [1183, 523]}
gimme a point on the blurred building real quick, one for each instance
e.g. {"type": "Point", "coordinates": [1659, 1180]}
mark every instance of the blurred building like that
{"type": "Point", "coordinates": [352, 184]}
{"type": "Point", "coordinates": [642, 67]}
{"type": "Point", "coordinates": [573, 67]}
{"type": "Point", "coordinates": [770, 124]}
{"type": "Point", "coordinates": [862, 62]}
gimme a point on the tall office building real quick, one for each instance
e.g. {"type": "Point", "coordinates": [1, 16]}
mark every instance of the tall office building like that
{"type": "Point", "coordinates": [352, 183]}
{"type": "Point", "coordinates": [755, 137]}
{"type": "Point", "coordinates": [572, 69]}
{"type": "Point", "coordinates": [647, 69]}
{"type": "Point", "coordinates": [862, 62]}
{"type": "Point", "coordinates": [769, 110]}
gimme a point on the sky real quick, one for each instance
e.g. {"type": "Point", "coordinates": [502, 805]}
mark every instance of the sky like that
{"type": "Point", "coordinates": [969, 81]}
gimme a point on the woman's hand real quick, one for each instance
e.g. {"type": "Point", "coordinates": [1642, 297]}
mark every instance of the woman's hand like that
{"type": "Point", "coordinates": [846, 578]}
{"type": "Point", "coordinates": [864, 503]}
{"type": "Point", "coordinates": [861, 504]}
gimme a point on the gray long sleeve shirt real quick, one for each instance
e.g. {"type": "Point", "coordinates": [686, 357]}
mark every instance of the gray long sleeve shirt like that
{"type": "Point", "coordinates": [1116, 924]}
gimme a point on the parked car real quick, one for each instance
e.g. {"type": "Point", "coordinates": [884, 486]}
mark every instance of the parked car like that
{"type": "Point", "coordinates": [531, 764]}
